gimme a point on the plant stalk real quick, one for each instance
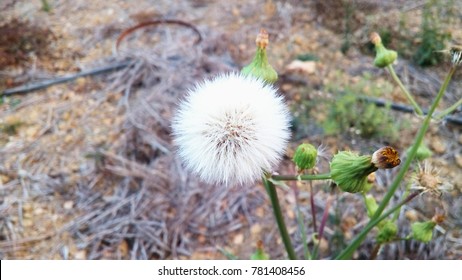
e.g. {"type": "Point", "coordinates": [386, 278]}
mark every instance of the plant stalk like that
{"type": "Point", "coordinates": [449, 110]}
{"type": "Point", "coordinates": [403, 88]}
{"type": "Point", "coordinates": [270, 188]}
{"type": "Point", "coordinates": [301, 177]}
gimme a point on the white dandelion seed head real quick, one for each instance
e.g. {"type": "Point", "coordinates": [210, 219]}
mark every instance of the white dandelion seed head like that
{"type": "Point", "coordinates": [231, 129]}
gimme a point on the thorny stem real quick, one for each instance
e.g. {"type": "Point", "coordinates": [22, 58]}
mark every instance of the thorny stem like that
{"type": "Point", "coordinates": [376, 218]}
{"type": "Point", "coordinates": [446, 112]}
{"type": "Point", "coordinates": [403, 88]}
{"type": "Point", "coordinates": [301, 177]}
{"type": "Point", "coordinates": [270, 188]}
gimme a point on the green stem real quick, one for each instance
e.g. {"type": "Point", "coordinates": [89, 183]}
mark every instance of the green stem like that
{"type": "Point", "coordinates": [345, 254]}
{"type": "Point", "coordinates": [449, 110]}
{"type": "Point", "coordinates": [270, 188]}
{"type": "Point", "coordinates": [348, 251]}
{"type": "Point", "coordinates": [301, 177]}
{"type": "Point", "coordinates": [403, 88]}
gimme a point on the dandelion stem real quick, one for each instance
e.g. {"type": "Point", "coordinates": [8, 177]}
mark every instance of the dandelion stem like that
{"type": "Point", "coordinates": [270, 188]}
{"type": "Point", "coordinates": [403, 88]}
{"type": "Point", "coordinates": [348, 251]}
{"type": "Point", "coordinates": [449, 110]}
{"type": "Point", "coordinates": [301, 177]}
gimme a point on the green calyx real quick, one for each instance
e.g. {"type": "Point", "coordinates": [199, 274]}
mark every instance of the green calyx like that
{"type": "Point", "coordinates": [384, 57]}
{"type": "Point", "coordinates": [422, 231]}
{"type": "Point", "coordinates": [349, 171]}
{"type": "Point", "coordinates": [305, 156]}
{"type": "Point", "coordinates": [260, 67]}
{"type": "Point", "coordinates": [387, 232]}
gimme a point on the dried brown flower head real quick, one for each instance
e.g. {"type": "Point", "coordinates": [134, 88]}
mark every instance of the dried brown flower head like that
{"type": "Point", "coordinates": [375, 38]}
{"type": "Point", "coordinates": [385, 158]}
{"type": "Point", "coordinates": [438, 218]}
{"type": "Point", "coordinates": [262, 39]}
{"type": "Point", "coordinates": [427, 179]}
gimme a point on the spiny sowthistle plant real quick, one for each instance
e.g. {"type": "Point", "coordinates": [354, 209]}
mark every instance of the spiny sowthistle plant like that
{"type": "Point", "coordinates": [234, 128]}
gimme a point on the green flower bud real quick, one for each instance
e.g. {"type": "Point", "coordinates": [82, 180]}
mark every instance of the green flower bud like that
{"type": "Point", "coordinates": [259, 67]}
{"type": "Point", "coordinates": [387, 232]}
{"type": "Point", "coordinates": [423, 152]}
{"type": "Point", "coordinates": [423, 231]}
{"type": "Point", "coordinates": [383, 57]}
{"type": "Point", "coordinates": [349, 171]}
{"type": "Point", "coordinates": [371, 205]}
{"type": "Point", "coordinates": [305, 156]}
{"type": "Point", "coordinates": [259, 253]}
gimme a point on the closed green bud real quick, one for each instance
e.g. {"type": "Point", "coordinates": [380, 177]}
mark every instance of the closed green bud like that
{"type": "Point", "coordinates": [423, 152]}
{"type": "Point", "coordinates": [305, 156]}
{"type": "Point", "coordinates": [371, 205]}
{"type": "Point", "coordinates": [259, 253]}
{"type": "Point", "coordinates": [383, 57]}
{"type": "Point", "coordinates": [349, 171]}
{"type": "Point", "coordinates": [423, 231]}
{"type": "Point", "coordinates": [260, 67]}
{"type": "Point", "coordinates": [387, 232]}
